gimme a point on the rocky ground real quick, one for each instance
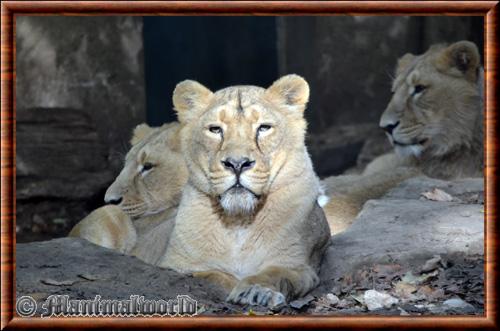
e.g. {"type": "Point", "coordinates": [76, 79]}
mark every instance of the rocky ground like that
{"type": "Point", "coordinates": [416, 251]}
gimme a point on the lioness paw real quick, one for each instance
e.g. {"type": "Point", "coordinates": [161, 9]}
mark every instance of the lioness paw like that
{"type": "Point", "coordinates": [256, 295]}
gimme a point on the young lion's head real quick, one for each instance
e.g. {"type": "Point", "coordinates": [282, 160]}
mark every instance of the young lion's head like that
{"type": "Point", "coordinates": [154, 172]}
{"type": "Point", "coordinates": [235, 141]}
{"type": "Point", "coordinates": [436, 104]}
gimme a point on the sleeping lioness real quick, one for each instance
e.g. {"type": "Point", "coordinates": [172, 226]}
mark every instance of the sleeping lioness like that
{"type": "Point", "coordinates": [143, 198]}
{"type": "Point", "coordinates": [248, 217]}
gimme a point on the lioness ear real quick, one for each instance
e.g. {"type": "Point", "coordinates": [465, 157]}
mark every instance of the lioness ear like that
{"type": "Point", "coordinates": [404, 62]}
{"type": "Point", "coordinates": [140, 132]}
{"type": "Point", "coordinates": [290, 90]}
{"type": "Point", "coordinates": [460, 59]}
{"type": "Point", "coordinates": [190, 96]}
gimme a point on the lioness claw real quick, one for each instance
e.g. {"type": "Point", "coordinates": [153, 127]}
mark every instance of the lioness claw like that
{"type": "Point", "coordinates": [256, 295]}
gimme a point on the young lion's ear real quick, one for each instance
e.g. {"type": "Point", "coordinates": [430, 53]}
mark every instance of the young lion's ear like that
{"type": "Point", "coordinates": [290, 90]}
{"type": "Point", "coordinates": [140, 132]}
{"type": "Point", "coordinates": [404, 62]}
{"type": "Point", "coordinates": [460, 59]}
{"type": "Point", "coordinates": [189, 97]}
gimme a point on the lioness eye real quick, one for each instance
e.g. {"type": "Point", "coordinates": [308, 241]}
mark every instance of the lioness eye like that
{"type": "Point", "coordinates": [263, 128]}
{"type": "Point", "coordinates": [215, 129]}
{"type": "Point", "coordinates": [147, 166]}
{"type": "Point", "coordinates": [418, 89]}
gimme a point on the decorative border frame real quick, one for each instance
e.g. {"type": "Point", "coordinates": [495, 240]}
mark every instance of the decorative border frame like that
{"type": "Point", "coordinates": [9, 10]}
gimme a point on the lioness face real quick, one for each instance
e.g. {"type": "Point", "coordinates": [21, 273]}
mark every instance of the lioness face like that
{"type": "Point", "coordinates": [235, 140]}
{"type": "Point", "coordinates": [153, 175]}
{"type": "Point", "coordinates": [433, 93]}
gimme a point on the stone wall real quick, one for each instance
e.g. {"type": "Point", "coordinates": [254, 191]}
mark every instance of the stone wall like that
{"type": "Point", "coordinates": [79, 93]}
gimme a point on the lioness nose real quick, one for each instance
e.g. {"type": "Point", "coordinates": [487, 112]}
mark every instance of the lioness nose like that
{"type": "Point", "coordinates": [113, 200]}
{"type": "Point", "coordinates": [390, 127]}
{"type": "Point", "coordinates": [238, 166]}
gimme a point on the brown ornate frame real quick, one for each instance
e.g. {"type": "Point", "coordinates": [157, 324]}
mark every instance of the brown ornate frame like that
{"type": "Point", "coordinates": [488, 9]}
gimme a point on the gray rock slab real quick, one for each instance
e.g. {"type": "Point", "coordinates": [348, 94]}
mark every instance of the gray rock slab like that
{"type": "Point", "coordinates": [406, 228]}
{"type": "Point", "coordinates": [75, 267]}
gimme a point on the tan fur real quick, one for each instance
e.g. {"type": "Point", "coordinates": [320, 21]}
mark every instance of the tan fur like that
{"type": "Point", "coordinates": [149, 198]}
{"type": "Point", "coordinates": [443, 125]}
{"type": "Point", "coordinates": [264, 238]}
{"type": "Point", "coordinates": [107, 227]}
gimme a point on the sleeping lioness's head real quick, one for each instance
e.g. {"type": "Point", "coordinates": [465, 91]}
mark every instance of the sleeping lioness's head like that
{"type": "Point", "coordinates": [236, 140]}
{"type": "Point", "coordinates": [154, 173]}
{"type": "Point", "coordinates": [436, 104]}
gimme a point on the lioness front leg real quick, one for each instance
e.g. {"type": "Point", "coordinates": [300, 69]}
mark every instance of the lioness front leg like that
{"type": "Point", "coordinates": [227, 281]}
{"type": "Point", "coordinates": [274, 286]}
{"type": "Point", "coordinates": [108, 227]}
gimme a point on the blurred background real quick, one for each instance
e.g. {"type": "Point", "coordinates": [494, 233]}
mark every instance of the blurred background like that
{"type": "Point", "coordinates": [83, 84]}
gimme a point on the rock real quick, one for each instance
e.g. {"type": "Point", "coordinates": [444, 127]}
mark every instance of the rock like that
{"type": "Point", "coordinates": [84, 270]}
{"type": "Point", "coordinates": [79, 93]}
{"type": "Point", "coordinates": [59, 155]}
{"type": "Point", "coordinates": [332, 299]}
{"type": "Point", "coordinates": [376, 300]}
{"type": "Point", "coordinates": [400, 228]}
{"type": "Point", "coordinates": [301, 302]}
{"type": "Point", "coordinates": [457, 303]}
{"type": "Point", "coordinates": [62, 168]}
{"type": "Point", "coordinates": [412, 188]}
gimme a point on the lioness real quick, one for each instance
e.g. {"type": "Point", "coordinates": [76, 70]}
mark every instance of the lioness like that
{"type": "Point", "coordinates": [248, 216]}
{"type": "Point", "coordinates": [144, 197]}
{"type": "Point", "coordinates": [434, 121]}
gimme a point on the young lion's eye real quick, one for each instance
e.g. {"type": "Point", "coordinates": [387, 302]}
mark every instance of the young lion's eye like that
{"type": "Point", "coordinates": [263, 128]}
{"type": "Point", "coordinates": [418, 89]}
{"type": "Point", "coordinates": [215, 129]}
{"type": "Point", "coordinates": [147, 166]}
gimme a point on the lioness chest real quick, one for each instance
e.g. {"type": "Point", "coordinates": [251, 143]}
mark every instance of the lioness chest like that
{"type": "Point", "coordinates": [241, 251]}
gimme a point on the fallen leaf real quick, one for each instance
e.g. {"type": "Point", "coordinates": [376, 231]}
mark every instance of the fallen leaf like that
{"type": "Point", "coordinates": [358, 298]}
{"type": "Point", "coordinates": [89, 277]}
{"type": "Point", "coordinates": [66, 282]}
{"type": "Point", "coordinates": [437, 195]}
{"type": "Point", "coordinates": [376, 300]}
{"type": "Point", "coordinates": [428, 293]}
{"type": "Point", "coordinates": [410, 278]}
{"type": "Point", "coordinates": [431, 264]}
{"type": "Point", "coordinates": [404, 290]}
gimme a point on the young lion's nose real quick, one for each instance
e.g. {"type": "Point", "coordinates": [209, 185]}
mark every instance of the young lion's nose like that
{"type": "Point", "coordinates": [238, 165]}
{"type": "Point", "coordinates": [389, 127]}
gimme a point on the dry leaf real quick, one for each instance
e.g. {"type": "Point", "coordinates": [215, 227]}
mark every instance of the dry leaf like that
{"type": "Point", "coordinates": [437, 195]}
{"type": "Point", "coordinates": [431, 264]}
{"type": "Point", "coordinates": [66, 282]}
{"type": "Point", "coordinates": [405, 290]}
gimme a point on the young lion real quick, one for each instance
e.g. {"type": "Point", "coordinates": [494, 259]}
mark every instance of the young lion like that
{"type": "Point", "coordinates": [248, 216]}
{"type": "Point", "coordinates": [144, 197]}
{"type": "Point", "coordinates": [434, 121]}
